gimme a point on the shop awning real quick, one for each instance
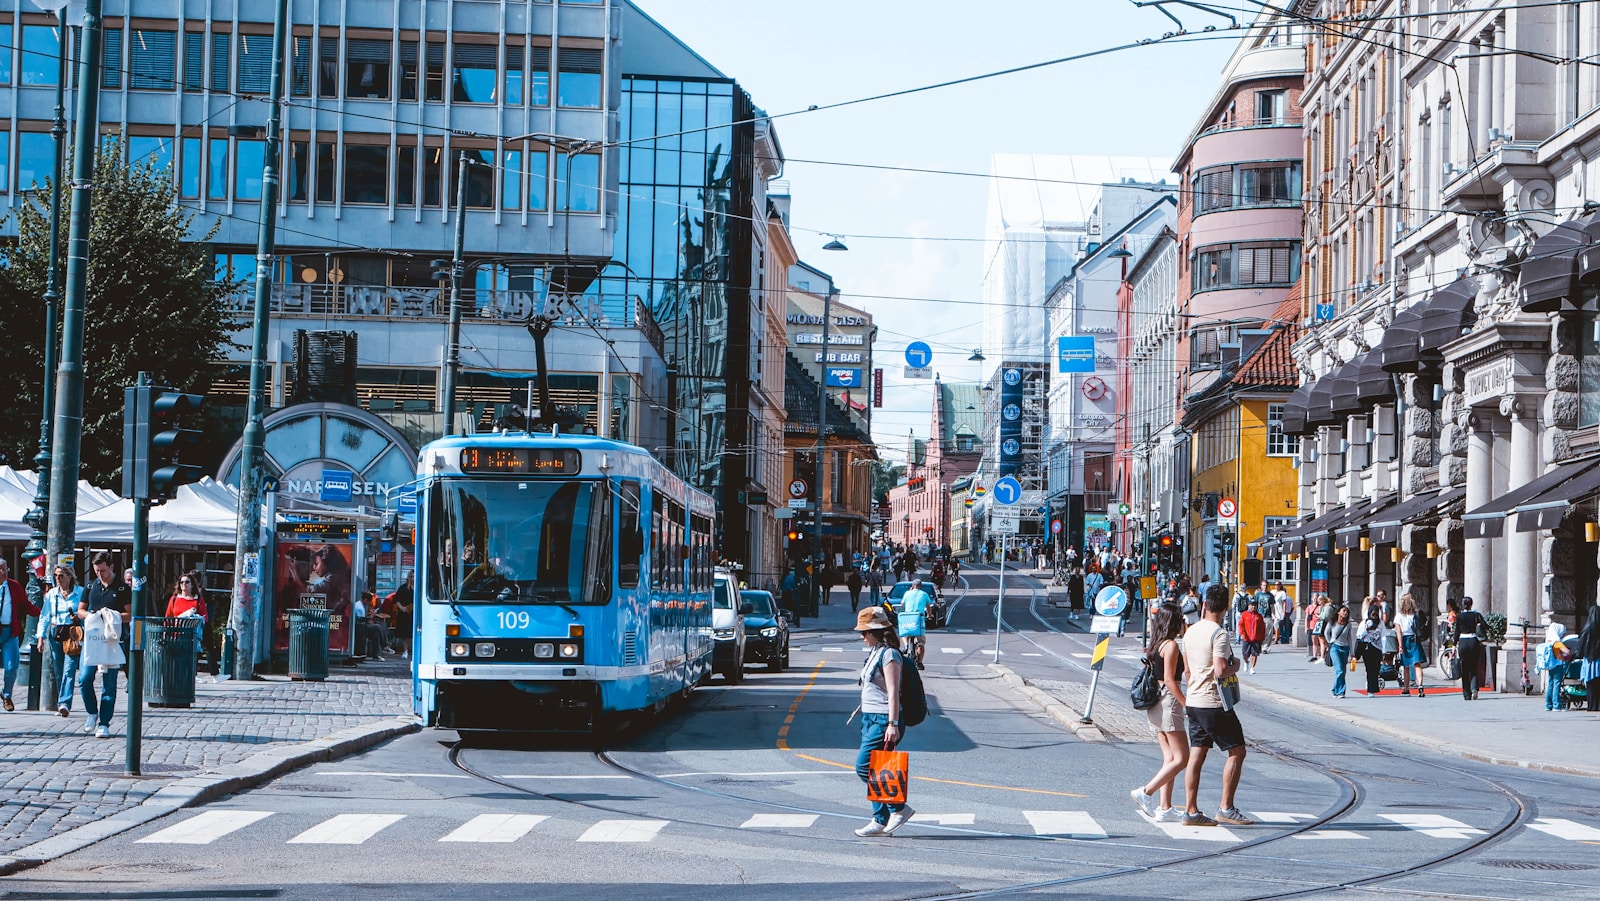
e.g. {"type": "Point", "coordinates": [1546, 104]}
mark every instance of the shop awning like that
{"type": "Point", "coordinates": [1419, 509]}
{"type": "Point", "coordinates": [1342, 400]}
{"type": "Point", "coordinates": [1319, 408]}
{"type": "Point", "coordinates": [1346, 531]}
{"type": "Point", "coordinates": [1548, 509]}
{"type": "Point", "coordinates": [1294, 410]}
{"type": "Point", "coordinates": [1549, 278]}
{"type": "Point", "coordinates": [1446, 316]}
{"type": "Point", "coordinates": [1373, 385]}
{"type": "Point", "coordinates": [1398, 351]}
{"type": "Point", "coordinates": [1488, 521]}
{"type": "Point", "coordinates": [1293, 539]}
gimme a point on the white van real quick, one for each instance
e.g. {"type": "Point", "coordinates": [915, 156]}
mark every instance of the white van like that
{"type": "Point", "coordinates": [727, 628]}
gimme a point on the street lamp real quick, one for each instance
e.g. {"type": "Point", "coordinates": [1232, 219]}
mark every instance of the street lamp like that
{"type": "Point", "coordinates": [836, 244]}
{"type": "Point", "coordinates": [977, 356]}
{"type": "Point", "coordinates": [38, 518]}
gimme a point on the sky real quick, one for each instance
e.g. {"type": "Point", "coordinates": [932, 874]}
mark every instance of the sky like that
{"type": "Point", "coordinates": [916, 235]}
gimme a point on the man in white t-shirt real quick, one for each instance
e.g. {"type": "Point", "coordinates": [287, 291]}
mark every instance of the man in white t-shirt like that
{"type": "Point", "coordinates": [1208, 658]}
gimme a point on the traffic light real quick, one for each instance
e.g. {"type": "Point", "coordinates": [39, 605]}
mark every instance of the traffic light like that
{"type": "Point", "coordinates": [158, 441]}
{"type": "Point", "coordinates": [797, 547]}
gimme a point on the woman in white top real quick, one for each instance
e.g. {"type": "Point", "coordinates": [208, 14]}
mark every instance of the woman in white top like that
{"type": "Point", "coordinates": [61, 609]}
{"type": "Point", "coordinates": [880, 711]}
{"type": "Point", "coordinates": [1167, 718]}
{"type": "Point", "coordinates": [1369, 645]}
{"type": "Point", "coordinates": [1412, 661]}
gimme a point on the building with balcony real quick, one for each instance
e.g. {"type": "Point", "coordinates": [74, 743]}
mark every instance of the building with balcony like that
{"type": "Point", "coordinates": [1151, 458]}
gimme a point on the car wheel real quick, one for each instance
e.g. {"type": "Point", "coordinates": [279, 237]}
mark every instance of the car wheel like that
{"type": "Point", "coordinates": [786, 653]}
{"type": "Point", "coordinates": [778, 661]}
{"type": "Point", "coordinates": [735, 674]}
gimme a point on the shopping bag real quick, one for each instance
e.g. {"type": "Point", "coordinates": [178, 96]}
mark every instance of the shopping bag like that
{"type": "Point", "coordinates": [889, 773]}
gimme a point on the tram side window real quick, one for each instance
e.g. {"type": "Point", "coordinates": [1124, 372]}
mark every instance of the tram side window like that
{"type": "Point", "coordinates": [597, 560]}
{"type": "Point", "coordinates": [630, 537]}
{"type": "Point", "coordinates": [658, 552]}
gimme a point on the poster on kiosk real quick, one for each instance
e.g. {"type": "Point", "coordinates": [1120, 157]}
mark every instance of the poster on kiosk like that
{"type": "Point", "coordinates": [315, 568]}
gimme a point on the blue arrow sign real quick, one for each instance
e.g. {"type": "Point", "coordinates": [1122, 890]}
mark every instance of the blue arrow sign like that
{"type": "Point", "coordinates": [918, 354]}
{"type": "Point", "coordinates": [1007, 490]}
{"type": "Point", "coordinates": [1111, 601]}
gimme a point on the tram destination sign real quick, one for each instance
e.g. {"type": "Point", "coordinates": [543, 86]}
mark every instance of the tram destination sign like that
{"type": "Point", "coordinates": [552, 461]}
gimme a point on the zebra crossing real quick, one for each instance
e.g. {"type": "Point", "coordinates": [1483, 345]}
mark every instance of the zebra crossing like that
{"type": "Point", "coordinates": [207, 827]}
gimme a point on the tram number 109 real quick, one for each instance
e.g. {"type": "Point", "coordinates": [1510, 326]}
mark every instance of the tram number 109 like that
{"type": "Point", "coordinates": [513, 619]}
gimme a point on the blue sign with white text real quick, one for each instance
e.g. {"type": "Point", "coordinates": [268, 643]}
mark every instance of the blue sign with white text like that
{"type": "Point", "coordinates": [1075, 353]}
{"type": "Point", "coordinates": [336, 485]}
{"type": "Point", "coordinates": [844, 378]}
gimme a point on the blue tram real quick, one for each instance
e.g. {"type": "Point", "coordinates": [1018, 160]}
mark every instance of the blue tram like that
{"type": "Point", "coordinates": [561, 580]}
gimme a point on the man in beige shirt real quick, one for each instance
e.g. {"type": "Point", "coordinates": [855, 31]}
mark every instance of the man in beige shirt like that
{"type": "Point", "coordinates": [1208, 658]}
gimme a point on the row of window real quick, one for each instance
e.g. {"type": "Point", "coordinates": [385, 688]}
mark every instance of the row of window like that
{"type": "Point", "coordinates": [149, 59]}
{"type": "Point", "coordinates": [1279, 442]}
{"type": "Point", "coordinates": [328, 172]}
{"type": "Point", "coordinates": [1247, 185]}
{"type": "Point", "coordinates": [1246, 266]}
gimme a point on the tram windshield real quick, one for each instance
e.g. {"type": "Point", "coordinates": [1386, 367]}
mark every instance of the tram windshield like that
{"type": "Point", "coordinates": [519, 542]}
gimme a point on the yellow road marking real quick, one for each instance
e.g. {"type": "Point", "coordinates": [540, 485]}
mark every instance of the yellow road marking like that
{"type": "Point", "coordinates": [783, 733]}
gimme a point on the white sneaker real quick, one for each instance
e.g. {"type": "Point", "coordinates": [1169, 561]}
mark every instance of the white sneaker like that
{"type": "Point", "coordinates": [1168, 815]}
{"type": "Point", "coordinates": [92, 721]}
{"type": "Point", "coordinates": [102, 732]}
{"type": "Point", "coordinates": [1147, 803]}
{"type": "Point", "coordinates": [872, 828]}
{"type": "Point", "coordinates": [897, 819]}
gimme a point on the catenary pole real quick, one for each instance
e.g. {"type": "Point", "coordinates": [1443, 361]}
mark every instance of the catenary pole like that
{"type": "Point", "coordinates": [244, 616]}
{"type": "Point", "coordinates": [458, 271]}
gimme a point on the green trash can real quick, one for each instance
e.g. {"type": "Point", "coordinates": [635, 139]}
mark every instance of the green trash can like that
{"type": "Point", "coordinates": [170, 645]}
{"type": "Point", "coordinates": [308, 644]}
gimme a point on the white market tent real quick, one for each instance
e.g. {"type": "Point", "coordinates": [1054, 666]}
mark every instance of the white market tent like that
{"type": "Point", "coordinates": [16, 499]}
{"type": "Point", "coordinates": [204, 514]}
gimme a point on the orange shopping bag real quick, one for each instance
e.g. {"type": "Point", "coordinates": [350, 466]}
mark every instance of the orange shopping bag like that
{"type": "Point", "coordinates": [889, 773]}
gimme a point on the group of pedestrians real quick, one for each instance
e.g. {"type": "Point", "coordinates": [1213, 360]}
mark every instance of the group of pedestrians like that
{"type": "Point", "coordinates": [1195, 712]}
{"type": "Point", "coordinates": [1385, 640]}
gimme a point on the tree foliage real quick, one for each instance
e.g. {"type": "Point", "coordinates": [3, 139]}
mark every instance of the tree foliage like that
{"type": "Point", "coordinates": [885, 475]}
{"type": "Point", "coordinates": [152, 304]}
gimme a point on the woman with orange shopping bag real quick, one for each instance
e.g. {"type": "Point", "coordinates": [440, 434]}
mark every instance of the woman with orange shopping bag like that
{"type": "Point", "coordinates": [880, 715]}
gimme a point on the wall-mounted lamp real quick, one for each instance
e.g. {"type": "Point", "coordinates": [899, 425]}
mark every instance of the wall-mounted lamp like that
{"type": "Point", "coordinates": [1366, 544]}
{"type": "Point", "coordinates": [1396, 555]}
{"type": "Point", "coordinates": [1433, 550]}
{"type": "Point", "coordinates": [1292, 556]}
{"type": "Point", "coordinates": [1438, 393]}
{"type": "Point", "coordinates": [1591, 532]}
{"type": "Point", "coordinates": [1338, 550]}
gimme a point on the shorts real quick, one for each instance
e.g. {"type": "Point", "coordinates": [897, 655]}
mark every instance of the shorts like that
{"type": "Point", "coordinates": [1166, 716]}
{"type": "Point", "coordinates": [1214, 726]}
{"type": "Point", "coordinates": [1249, 649]}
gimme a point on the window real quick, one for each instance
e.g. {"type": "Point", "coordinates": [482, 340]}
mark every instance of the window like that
{"type": "Point", "coordinates": [153, 152]}
{"type": "Point", "coordinates": [538, 180]}
{"type": "Point", "coordinates": [111, 59]}
{"type": "Point", "coordinates": [327, 67]}
{"type": "Point", "coordinates": [194, 61]}
{"type": "Point", "coordinates": [474, 70]}
{"type": "Point", "coordinates": [513, 77]}
{"type": "Point", "coordinates": [539, 77]}
{"type": "Point", "coordinates": [5, 161]}
{"type": "Point", "coordinates": [511, 180]}
{"type": "Point", "coordinates": [327, 171]}
{"type": "Point", "coordinates": [40, 51]}
{"type": "Point", "coordinates": [580, 77]}
{"type": "Point", "coordinates": [1280, 444]}
{"type": "Point", "coordinates": [432, 175]}
{"type": "Point", "coordinates": [1272, 107]}
{"type": "Point", "coordinates": [247, 164]}
{"type": "Point", "coordinates": [232, 268]}
{"type": "Point", "coordinates": [1256, 184]}
{"type": "Point", "coordinates": [480, 178]}
{"type": "Point", "coordinates": [408, 70]}
{"type": "Point", "coordinates": [1589, 376]}
{"type": "Point", "coordinates": [5, 59]}
{"type": "Point", "coordinates": [405, 176]}
{"type": "Point", "coordinates": [585, 174]}
{"type": "Point", "coordinates": [217, 172]}
{"type": "Point", "coordinates": [300, 68]}
{"type": "Point", "coordinates": [1236, 266]}
{"type": "Point", "coordinates": [221, 62]}
{"type": "Point", "coordinates": [1213, 190]}
{"type": "Point", "coordinates": [189, 169]}
{"type": "Point", "coordinates": [299, 168]}
{"type": "Point", "coordinates": [255, 63]}
{"type": "Point", "coordinates": [1279, 569]}
{"type": "Point", "coordinates": [367, 65]}
{"type": "Point", "coordinates": [435, 72]}
{"type": "Point", "coordinates": [366, 173]}
{"type": "Point", "coordinates": [36, 153]}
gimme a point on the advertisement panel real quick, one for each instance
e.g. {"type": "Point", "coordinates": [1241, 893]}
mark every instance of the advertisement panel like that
{"type": "Point", "coordinates": [1010, 420]}
{"type": "Point", "coordinates": [1096, 530]}
{"type": "Point", "coordinates": [1075, 353]}
{"type": "Point", "coordinates": [313, 573]}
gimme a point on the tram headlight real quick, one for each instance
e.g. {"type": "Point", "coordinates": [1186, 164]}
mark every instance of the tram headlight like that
{"type": "Point", "coordinates": [569, 651]}
{"type": "Point", "coordinates": [483, 649]}
{"type": "Point", "coordinates": [544, 650]}
{"type": "Point", "coordinates": [460, 649]}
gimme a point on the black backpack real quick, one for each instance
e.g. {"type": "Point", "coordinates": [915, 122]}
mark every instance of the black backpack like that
{"type": "Point", "coordinates": [913, 698]}
{"type": "Point", "coordinates": [1146, 689]}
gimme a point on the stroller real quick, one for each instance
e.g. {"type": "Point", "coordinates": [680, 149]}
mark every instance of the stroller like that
{"type": "Point", "coordinates": [1573, 693]}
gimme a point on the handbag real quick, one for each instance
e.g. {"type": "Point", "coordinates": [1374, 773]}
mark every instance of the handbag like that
{"type": "Point", "coordinates": [71, 638]}
{"type": "Point", "coordinates": [1146, 689]}
{"type": "Point", "coordinates": [888, 773]}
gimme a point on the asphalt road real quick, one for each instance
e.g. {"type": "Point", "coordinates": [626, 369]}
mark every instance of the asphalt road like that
{"type": "Point", "coordinates": [719, 799]}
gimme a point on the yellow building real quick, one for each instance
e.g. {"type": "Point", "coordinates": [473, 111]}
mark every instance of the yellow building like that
{"type": "Point", "coordinates": [961, 517]}
{"type": "Point", "coordinates": [1238, 453]}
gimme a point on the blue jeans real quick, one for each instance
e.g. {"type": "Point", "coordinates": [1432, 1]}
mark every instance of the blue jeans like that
{"type": "Point", "coordinates": [10, 659]}
{"type": "Point", "coordinates": [1341, 665]}
{"type": "Point", "coordinates": [1552, 689]}
{"type": "Point", "coordinates": [873, 725]}
{"type": "Point", "coordinates": [108, 693]}
{"type": "Point", "coordinates": [67, 668]}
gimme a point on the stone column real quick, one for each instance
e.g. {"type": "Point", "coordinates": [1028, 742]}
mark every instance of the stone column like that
{"type": "Point", "coordinates": [1478, 577]}
{"type": "Point", "coordinates": [1522, 548]}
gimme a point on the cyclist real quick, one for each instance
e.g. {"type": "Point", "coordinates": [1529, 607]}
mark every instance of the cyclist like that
{"type": "Point", "coordinates": [913, 620]}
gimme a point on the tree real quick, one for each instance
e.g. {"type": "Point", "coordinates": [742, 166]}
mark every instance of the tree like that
{"type": "Point", "coordinates": [153, 303]}
{"type": "Point", "coordinates": [885, 475]}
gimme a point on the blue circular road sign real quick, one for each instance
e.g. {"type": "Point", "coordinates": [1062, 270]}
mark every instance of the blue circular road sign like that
{"type": "Point", "coordinates": [1008, 490]}
{"type": "Point", "coordinates": [918, 354]}
{"type": "Point", "coordinates": [1111, 601]}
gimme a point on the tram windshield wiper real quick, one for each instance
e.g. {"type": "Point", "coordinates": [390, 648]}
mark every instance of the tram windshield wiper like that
{"type": "Point", "coordinates": [556, 596]}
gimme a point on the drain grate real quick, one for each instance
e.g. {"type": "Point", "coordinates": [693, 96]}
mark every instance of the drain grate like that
{"type": "Point", "coordinates": [305, 787]}
{"type": "Point", "coordinates": [1536, 865]}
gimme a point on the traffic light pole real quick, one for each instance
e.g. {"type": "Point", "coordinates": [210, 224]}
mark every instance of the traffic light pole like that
{"type": "Point", "coordinates": [242, 616]}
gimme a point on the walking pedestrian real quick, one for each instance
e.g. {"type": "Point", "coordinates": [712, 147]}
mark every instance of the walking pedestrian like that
{"type": "Point", "coordinates": [880, 711]}
{"type": "Point", "coordinates": [829, 579]}
{"type": "Point", "coordinates": [186, 601]}
{"type": "Point", "coordinates": [1589, 650]}
{"type": "Point", "coordinates": [1093, 582]}
{"type": "Point", "coordinates": [1075, 586]}
{"type": "Point", "coordinates": [852, 583]}
{"type": "Point", "coordinates": [1341, 640]}
{"type": "Point", "coordinates": [1369, 646]}
{"type": "Point", "coordinates": [1263, 599]}
{"type": "Point", "coordinates": [1252, 631]}
{"type": "Point", "coordinates": [104, 593]}
{"type": "Point", "coordinates": [15, 608]}
{"type": "Point", "coordinates": [1412, 660]}
{"type": "Point", "coordinates": [1166, 717]}
{"type": "Point", "coordinates": [61, 612]}
{"type": "Point", "coordinates": [1552, 656]}
{"type": "Point", "coordinates": [1209, 660]}
{"type": "Point", "coordinates": [1283, 614]}
{"type": "Point", "coordinates": [1471, 630]}
{"type": "Point", "coordinates": [875, 583]}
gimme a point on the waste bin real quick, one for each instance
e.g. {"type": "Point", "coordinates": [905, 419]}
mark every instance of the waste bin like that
{"type": "Point", "coordinates": [170, 644]}
{"type": "Point", "coordinates": [308, 644]}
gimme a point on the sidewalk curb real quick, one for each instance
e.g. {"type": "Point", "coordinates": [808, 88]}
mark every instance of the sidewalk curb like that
{"type": "Point", "coordinates": [196, 790]}
{"type": "Point", "coordinates": [1050, 704]}
{"type": "Point", "coordinates": [1431, 744]}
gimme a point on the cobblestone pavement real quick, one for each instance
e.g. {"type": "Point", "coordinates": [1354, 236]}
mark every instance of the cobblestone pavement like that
{"type": "Point", "coordinates": [58, 777]}
{"type": "Point", "coordinates": [1112, 712]}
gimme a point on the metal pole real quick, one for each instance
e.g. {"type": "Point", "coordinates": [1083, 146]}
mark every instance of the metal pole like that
{"type": "Point", "coordinates": [43, 671]}
{"type": "Point", "coordinates": [243, 616]}
{"type": "Point", "coordinates": [68, 429]}
{"type": "Point", "coordinates": [822, 418]}
{"type": "Point", "coordinates": [1001, 600]}
{"type": "Point", "coordinates": [141, 570]}
{"type": "Point", "coordinates": [452, 358]}
{"type": "Point", "coordinates": [1144, 565]}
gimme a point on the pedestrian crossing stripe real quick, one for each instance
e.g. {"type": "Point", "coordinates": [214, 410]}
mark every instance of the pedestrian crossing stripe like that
{"type": "Point", "coordinates": [205, 828]}
{"type": "Point", "coordinates": [495, 828]}
{"type": "Point", "coordinates": [1433, 825]}
{"type": "Point", "coordinates": [623, 831]}
{"type": "Point", "coordinates": [780, 821]}
{"type": "Point", "coordinates": [347, 829]}
{"type": "Point", "coordinates": [1076, 823]}
{"type": "Point", "coordinates": [1567, 829]}
{"type": "Point", "coordinates": [953, 650]}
